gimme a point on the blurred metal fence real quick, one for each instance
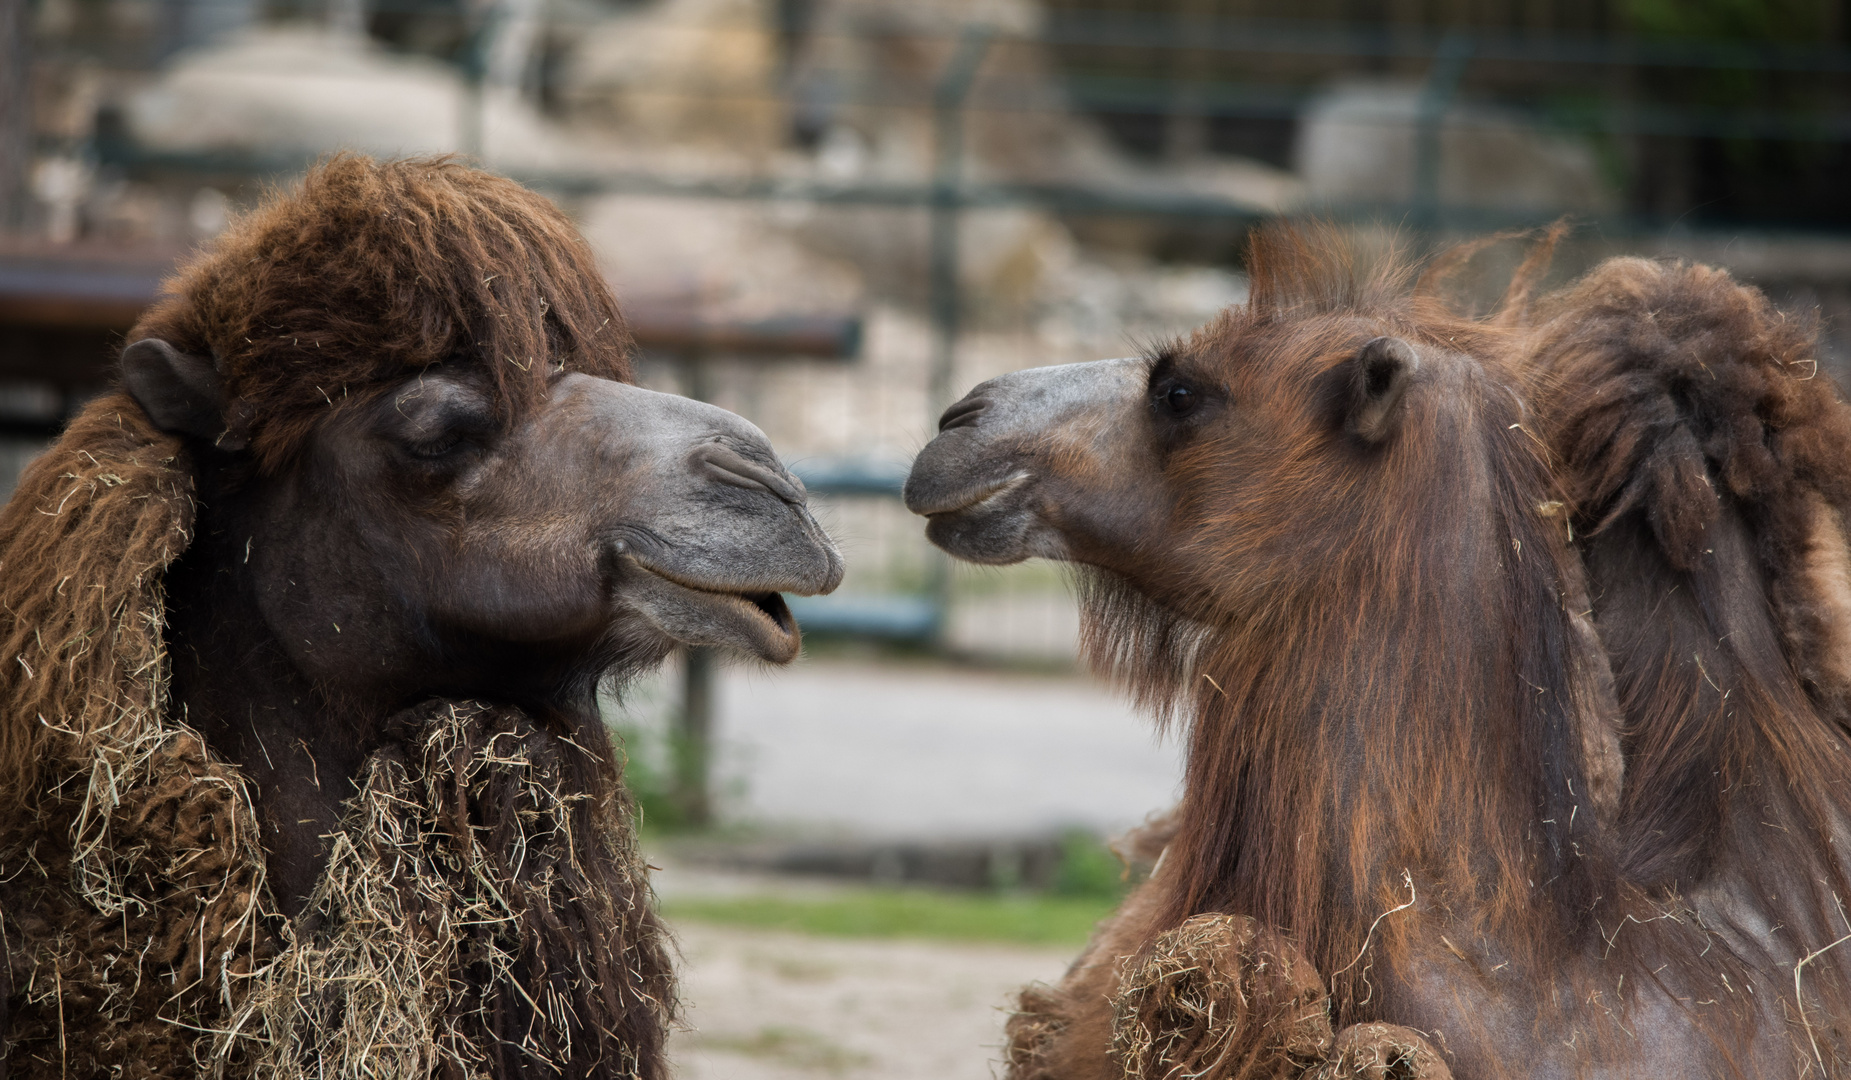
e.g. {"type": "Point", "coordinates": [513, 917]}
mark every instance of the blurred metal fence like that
{"type": "Point", "coordinates": [1109, 65]}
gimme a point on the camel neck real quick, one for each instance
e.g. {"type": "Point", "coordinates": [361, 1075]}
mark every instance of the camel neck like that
{"type": "Point", "coordinates": [233, 681]}
{"type": "Point", "coordinates": [1421, 737]}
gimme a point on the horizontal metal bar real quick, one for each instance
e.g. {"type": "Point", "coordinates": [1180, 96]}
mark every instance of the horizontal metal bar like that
{"type": "Point", "coordinates": [853, 476]}
{"type": "Point", "coordinates": [97, 292]}
{"type": "Point", "coordinates": [1302, 37]}
{"type": "Point", "coordinates": [31, 427]}
{"type": "Point", "coordinates": [895, 618]}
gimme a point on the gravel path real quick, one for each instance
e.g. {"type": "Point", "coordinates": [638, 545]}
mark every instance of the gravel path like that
{"type": "Point", "coordinates": [774, 1006]}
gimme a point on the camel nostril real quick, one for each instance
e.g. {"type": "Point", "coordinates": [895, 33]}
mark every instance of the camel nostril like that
{"type": "Point", "coordinates": [728, 466]}
{"type": "Point", "coordinates": [963, 414]}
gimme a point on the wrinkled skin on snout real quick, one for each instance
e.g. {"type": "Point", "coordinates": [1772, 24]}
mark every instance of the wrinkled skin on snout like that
{"type": "Point", "coordinates": [1049, 463]}
{"type": "Point", "coordinates": [423, 546]}
{"type": "Point", "coordinates": [1075, 463]}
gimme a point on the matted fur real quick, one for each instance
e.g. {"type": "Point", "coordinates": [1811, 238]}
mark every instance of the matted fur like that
{"type": "Point", "coordinates": [1688, 782]}
{"type": "Point", "coordinates": [1381, 1052]}
{"type": "Point", "coordinates": [407, 264]}
{"type": "Point", "coordinates": [131, 877]}
{"type": "Point", "coordinates": [1220, 998]}
{"type": "Point", "coordinates": [141, 940]}
{"type": "Point", "coordinates": [1674, 391]}
{"type": "Point", "coordinates": [475, 877]}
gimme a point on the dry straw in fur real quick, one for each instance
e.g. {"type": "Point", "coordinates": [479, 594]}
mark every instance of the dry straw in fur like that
{"type": "Point", "coordinates": [484, 910]}
{"type": "Point", "coordinates": [414, 957]}
{"type": "Point", "coordinates": [132, 873]}
{"type": "Point", "coordinates": [1219, 998]}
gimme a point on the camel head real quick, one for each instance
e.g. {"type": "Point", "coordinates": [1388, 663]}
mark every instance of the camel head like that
{"type": "Point", "coordinates": [609, 517]}
{"type": "Point", "coordinates": [405, 393]}
{"type": "Point", "coordinates": [1192, 474]}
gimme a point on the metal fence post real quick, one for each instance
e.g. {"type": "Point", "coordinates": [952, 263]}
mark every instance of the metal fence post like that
{"type": "Point", "coordinates": [15, 111]}
{"type": "Point", "coordinates": [1436, 99]}
{"type": "Point", "coordinates": [693, 742]}
{"type": "Point", "coordinates": [948, 99]}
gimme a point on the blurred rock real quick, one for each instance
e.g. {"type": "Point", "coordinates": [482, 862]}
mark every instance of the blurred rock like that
{"type": "Point", "coordinates": [727, 258]}
{"type": "Point", "coordinates": [299, 92]}
{"type": "Point", "coordinates": [681, 71]}
{"type": "Point", "coordinates": [1357, 145]}
{"type": "Point", "coordinates": [863, 83]}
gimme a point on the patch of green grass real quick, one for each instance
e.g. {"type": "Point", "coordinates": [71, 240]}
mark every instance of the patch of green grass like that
{"type": "Point", "coordinates": [1089, 868]}
{"type": "Point", "coordinates": [1024, 919]}
{"type": "Point", "coordinates": [795, 1047]}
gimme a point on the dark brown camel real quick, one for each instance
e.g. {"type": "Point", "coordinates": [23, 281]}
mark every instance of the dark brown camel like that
{"type": "Point", "coordinates": [1325, 535]}
{"type": "Point", "coordinates": [378, 462]}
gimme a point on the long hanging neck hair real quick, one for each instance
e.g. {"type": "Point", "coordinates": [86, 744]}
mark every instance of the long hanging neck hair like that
{"type": "Point", "coordinates": [1394, 700]}
{"type": "Point", "coordinates": [1582, 700]}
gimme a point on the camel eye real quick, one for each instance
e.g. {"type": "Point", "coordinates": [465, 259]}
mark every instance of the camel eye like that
{"type": "Point", "coordinates": [439, 434]}
{"type": "Point", "coordinates": [1179, 400]}
{"type": "Point", "coordinates": [437, 448]}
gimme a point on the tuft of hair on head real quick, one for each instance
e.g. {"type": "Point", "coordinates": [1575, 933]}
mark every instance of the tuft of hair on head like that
{"type": "Point", "coordinates": [1445, 269]}
{"type": "Point", "coordinates": [370, 271]}
{"type": "Point", "coordinates": [1298, 268]}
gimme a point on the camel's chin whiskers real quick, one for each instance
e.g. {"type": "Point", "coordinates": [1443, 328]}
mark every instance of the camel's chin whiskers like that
{"type": "Point", "coordinates": [1147, 648]}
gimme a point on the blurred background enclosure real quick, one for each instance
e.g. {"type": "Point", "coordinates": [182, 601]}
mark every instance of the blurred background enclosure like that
{"type": "Point", "coordinates": [836, 216]}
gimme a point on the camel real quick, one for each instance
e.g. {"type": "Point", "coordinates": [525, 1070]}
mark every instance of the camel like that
{"type": "Point", "coordinates": [1508, 656]}
{"type": "Point", "coordinates": [305, 627]}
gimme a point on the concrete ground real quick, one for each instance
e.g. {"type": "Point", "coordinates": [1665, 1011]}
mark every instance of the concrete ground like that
{"type": "Point", "coordinates": [897, 749]}
{"type": "Point", "coordinates": [884, 749]}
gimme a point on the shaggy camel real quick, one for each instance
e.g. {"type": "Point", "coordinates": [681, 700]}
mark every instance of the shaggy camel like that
{"type": "Point", "coordinates": [306, 625]}
{"type": "Point", "coordinates": [1427, 825]}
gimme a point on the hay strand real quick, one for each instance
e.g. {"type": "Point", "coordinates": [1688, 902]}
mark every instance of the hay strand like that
{"type": "Point", "coordinates": [1220, 998]}
{"type": "Point", "coordinates": [484, 911]}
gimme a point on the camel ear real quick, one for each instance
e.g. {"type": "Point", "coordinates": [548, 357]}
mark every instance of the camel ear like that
{"type": "Point", "coordinates": [1379, 376]}
{"type": "Point", "coordinates": [179, 392]}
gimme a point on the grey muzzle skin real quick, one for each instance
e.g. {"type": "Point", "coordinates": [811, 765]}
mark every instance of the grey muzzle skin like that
{"type": "Point", "coordinates": [1040, 463]}
{"type": "Point", "coordinates": [714, 527]}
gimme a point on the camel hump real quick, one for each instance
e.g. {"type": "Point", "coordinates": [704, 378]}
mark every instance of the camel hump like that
{"type": "Point", "coordinates": [1677, 392]}
{"type": "Point", "coordinates": [1668, 386]}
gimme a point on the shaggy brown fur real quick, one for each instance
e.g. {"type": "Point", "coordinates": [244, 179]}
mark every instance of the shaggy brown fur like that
{"type": "Point", "coordinates": [486, 863]}
{"type": "Point", "coordinates": [132, 877]}
{"type": "Point", "coordinates": [372, 272]}
{"type": "Point", "coordinates": [1707, 461]}
{"type": "Point", "coordinates": [474, 871]}
{"type": "Point", "coordinates": [1399, 733]}
{"type": "Point", "coordinates": [1251, 766]}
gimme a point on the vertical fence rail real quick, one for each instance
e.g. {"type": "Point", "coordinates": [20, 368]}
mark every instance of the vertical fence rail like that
{"type": "Point", "coordinates": [1436, 100]}
{"type": "Point", "coordinates": [948, 101]}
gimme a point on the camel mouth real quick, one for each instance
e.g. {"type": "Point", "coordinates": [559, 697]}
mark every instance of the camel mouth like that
{"type": "Point", "coordinates": [972, 500]}
{"type": "Point", "coordinates": [774, 607]}
{"type": "Point", "coordinates": [699, 613]}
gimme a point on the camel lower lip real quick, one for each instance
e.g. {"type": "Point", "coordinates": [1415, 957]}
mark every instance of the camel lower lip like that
{"type": "Point", "coordinates": [977, 498]}
{"type": "Point", "coordinates": [756, 620]}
